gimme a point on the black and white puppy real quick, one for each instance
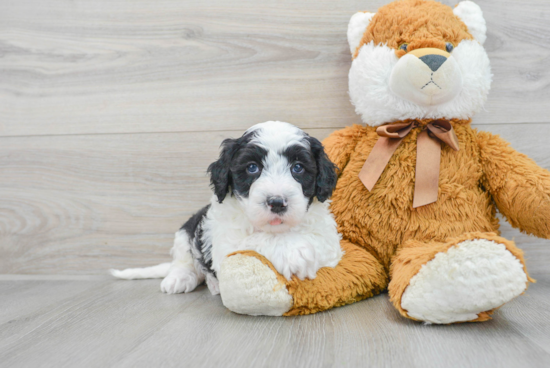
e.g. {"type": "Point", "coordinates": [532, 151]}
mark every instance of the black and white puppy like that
{"type": "Point", "coordinates": [270, 195]}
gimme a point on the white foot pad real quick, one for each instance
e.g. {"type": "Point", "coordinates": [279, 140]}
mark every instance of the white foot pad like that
{"type": "Point", "coordinates": [472, 277]}
{"type": "Point", "coordinates": [248, 286]}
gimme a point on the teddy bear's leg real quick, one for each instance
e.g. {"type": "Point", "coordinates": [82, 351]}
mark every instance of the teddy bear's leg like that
{"type": "Point", "coordinates": [250, 285]}
{"type": "Point", "coordinates": [463, 279]}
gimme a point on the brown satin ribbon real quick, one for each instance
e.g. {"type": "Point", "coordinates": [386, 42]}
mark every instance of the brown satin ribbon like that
{"type": "Point", "coordinates": [428, 156]}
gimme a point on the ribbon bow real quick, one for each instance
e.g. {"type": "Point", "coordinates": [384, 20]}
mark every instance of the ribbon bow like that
{"type": "Point", "coordinates": [428, 154]}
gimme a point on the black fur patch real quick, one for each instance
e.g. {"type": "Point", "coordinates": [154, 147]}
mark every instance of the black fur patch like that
{"type": "Point", "coordinates": [326, 171]}
{"type": "Point", "coordinates": [299, 154]}
{"type": "Point", "coordinates": [228, 174]}
{"type": "Point", "coordinates": [194, 221]}
{"type": "Point", "coordinates": [200, 250]}
{"type": "Point", "coordinates": [241, 179]}
{"type": "Point", "coordinates": [319, 176]}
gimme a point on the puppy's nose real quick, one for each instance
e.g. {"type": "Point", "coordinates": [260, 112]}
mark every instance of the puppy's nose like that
{"type": "Point", "coordinates": [433, 61]}
{"type": "Point", "coordinates": [277, 204]}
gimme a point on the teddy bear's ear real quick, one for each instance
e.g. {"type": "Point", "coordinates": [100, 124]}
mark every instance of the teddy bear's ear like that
{"type": "Point", "coordinates": [470, 13]}
{"type": "Point", "coordinates": [356, 27]}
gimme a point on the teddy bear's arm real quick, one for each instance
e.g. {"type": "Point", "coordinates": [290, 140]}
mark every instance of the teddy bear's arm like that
{"type": "Point", "coordinates": [520, 188]}
{"type": "Point", "coordinates": [340, 144]}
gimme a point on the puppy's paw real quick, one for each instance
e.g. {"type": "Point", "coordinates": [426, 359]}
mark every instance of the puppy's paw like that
{"type": "Point", "coordinates": [180, 280]}
{"type": "Point", "coordinates": [300, 261]}
{"type": "Point", "coordinates": [249, 286]}
{"type": "Point", "coordinates": [213, 284]}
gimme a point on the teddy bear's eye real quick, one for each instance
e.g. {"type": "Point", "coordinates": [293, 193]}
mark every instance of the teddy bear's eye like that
{"type": "Point", "coordinates": [404, 46]}
{"type": "Point", "coordinates": [449, 46]}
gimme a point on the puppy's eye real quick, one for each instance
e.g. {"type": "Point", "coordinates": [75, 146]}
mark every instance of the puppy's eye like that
{"type": "Point", "coordinates": [298, 168]}
{"type": "Point", "coordinates": [449, 47]}
{"type": "Point", "coordinates": [403, 46]}
{"type": "Point", "coordinates": [252, 169]}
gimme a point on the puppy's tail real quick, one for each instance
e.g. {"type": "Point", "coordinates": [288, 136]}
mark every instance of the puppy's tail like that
{"type": "Point", "coordinates": [153, 272]}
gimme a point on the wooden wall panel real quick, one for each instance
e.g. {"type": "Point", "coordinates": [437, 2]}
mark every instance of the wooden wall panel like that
{"type": "Point", "coordinates": [82, 204]}
{"type": "Point", "coordinates": [107, 66]}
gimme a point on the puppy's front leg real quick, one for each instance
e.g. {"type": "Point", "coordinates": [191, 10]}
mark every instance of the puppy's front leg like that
{"type": "Point", "coordinates": [213, 284]}
{"type": "Point", "coordinates": [182, 277]}
{"type": "Point", "coordinates": [299, 259]}
{"type": "Point", "coordinates": [289, 253]}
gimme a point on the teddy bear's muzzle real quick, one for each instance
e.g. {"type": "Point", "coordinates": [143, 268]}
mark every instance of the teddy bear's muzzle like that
{"type": "Point", "coordinates": [427, 77]}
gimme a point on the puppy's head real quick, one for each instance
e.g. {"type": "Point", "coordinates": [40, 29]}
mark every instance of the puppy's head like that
{"type": "Point", "coordinates": [275, 171]}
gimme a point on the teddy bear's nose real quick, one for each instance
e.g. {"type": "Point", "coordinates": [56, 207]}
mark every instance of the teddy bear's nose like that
{"type": "Point", "coordinates": [433, 61]}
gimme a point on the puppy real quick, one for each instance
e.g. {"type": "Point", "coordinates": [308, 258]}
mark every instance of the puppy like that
{"type": "Point", "coordinates": [270, 195]}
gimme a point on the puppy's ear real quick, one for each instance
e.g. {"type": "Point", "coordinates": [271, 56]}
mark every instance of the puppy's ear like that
{"type": "Point", "coordinates": [326, 171]}
{"type": "Point", "coordinates": [220, 174]}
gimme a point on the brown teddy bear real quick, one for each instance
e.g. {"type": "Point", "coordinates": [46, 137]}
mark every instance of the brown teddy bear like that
{"type": "Point", "coordinates": [418, 188]}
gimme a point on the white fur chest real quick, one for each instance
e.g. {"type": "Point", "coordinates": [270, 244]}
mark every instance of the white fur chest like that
{"type": "Point", "coordinates": [302, 250]}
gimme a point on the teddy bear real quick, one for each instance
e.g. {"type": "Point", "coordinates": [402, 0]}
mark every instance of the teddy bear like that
{"type": "Point", "coordinates": [418, 188]}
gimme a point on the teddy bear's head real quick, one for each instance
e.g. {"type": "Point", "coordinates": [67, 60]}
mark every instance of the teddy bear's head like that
{"type": "Point", "coordinates": [418, 59]}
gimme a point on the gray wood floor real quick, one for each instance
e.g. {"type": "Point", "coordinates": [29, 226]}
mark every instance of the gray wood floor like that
{"type": "Point", "coordinates": [110, 112]}
{"type": "Point", "coordinates": [68, 322]}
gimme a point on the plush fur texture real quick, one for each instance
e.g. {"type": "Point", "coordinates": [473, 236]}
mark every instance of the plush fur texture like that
{"type": "Point", "coordinates": [356, 27]}
{"type": "Point", "coordinates": [250, 286]}
{"type": "Point", "coordinates": [470, 277]}
{"type": "Point", "coordinates": [357, 276]}
{"type": "Point", "coordinates": [470, 13]}
{"type": "Point", "coordinates": [416, 251]}
{"type": "Point", "coordinates": [380, 66]}
{"type": "Point", "coordinates": [270, 195]}
{"type": "Point", "coordinates": [419, 23]}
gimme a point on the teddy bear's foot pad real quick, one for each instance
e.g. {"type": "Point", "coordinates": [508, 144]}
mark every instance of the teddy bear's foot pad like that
{"type": "Point", "coordinates": [248, 286]}
{"type": "Point", "coordinates": [472, 277]}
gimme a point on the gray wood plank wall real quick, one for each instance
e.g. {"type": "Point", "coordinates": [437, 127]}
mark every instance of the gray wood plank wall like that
{"type": "Point", "coordinates": [110, 111]}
